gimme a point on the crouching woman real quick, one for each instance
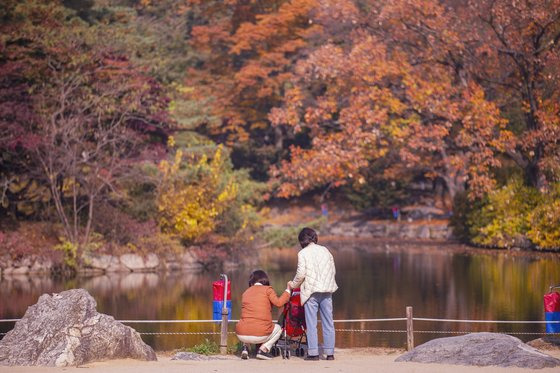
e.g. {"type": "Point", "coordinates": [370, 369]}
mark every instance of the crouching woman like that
{"type": "Point", "coordinates": [255, 325]}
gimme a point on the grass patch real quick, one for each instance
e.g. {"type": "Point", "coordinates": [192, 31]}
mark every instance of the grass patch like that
{"type": "Point", "coordinates": [207, 347]}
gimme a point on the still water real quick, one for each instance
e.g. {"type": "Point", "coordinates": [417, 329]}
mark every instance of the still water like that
{"type": "Point", "coordinates": [376, 280]}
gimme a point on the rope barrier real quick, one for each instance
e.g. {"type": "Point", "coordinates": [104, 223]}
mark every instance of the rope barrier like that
{"type": "Point", "coordinates": [342, 330]}
{"type": "Point", "coordinates": [372, 320]}
{"type": "Point", "coordinates": [486, 321]}
{"type": "Point", "coordinates": [179, 333]}
{"type": "Point", "coordinates": [172, 321]}
{"type": "Point", "coordinates": [464, 332]}
{"type": "Point", "coordinates": [352, 330]}
{"type": "Point", "coordinates": [336, 321]}
{"type": "Point", "coordinates": [371, 330]}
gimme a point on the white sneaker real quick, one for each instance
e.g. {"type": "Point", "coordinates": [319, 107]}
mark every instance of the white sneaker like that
{"type": "Point", "coordinates": [244, 353]}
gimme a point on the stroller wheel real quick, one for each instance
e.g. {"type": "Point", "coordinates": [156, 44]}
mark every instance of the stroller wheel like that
{"type": "Point", "coordinates": [297, 352]}
{"type": "Point", "coordinates": [301, 351]}
{"type": "Point", "coordinates": [287, 354]}
{"type": "Point", "coordinates": [275, 351]}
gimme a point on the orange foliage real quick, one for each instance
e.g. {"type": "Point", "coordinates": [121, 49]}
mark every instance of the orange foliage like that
{"type": "Point", "coordinates": [410, 81]}
{"type": "Point", "coordinates": [441, 89]}
{"type": "Point", "coordinates": [377, 104]}
{"type": "Point", "coordinates": [249, 48]}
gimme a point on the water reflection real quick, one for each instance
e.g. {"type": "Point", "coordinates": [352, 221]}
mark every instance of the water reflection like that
{"type": "Point", "coordinates": [376, 280]}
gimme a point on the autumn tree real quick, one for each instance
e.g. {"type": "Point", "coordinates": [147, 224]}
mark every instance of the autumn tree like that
{"type": "Point", "coordinates": [518, 57]}
{"type": "Point", "coordinates": [246, 51]}
{"type": "Point", "coordinates": [367, 99]}
{"type": "Point", "coordinates": [206, 204]}
{"type": "Point", "coordinates": [190, 203]}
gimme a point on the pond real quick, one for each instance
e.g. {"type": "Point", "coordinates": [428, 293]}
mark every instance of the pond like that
{"type": "Point", "coordinates": [376, 280]}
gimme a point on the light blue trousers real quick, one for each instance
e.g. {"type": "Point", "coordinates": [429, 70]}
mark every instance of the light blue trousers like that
{"type": "Point", "coordinates": [319, 303]}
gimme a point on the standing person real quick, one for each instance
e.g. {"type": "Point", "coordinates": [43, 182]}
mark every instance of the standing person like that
{"type": "Point", "coordinates": [255, 325]}
{"type": "Point", "coordinates": [315, 275]}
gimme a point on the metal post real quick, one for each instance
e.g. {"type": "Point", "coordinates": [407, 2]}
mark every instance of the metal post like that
{"type": "Point", "coordinates": [409, 329]}
{"type": "Point", "coordinates": [223, 338]}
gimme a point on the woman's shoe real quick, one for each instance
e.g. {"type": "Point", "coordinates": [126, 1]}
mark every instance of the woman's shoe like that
{"type": "Point", "coordinates": [312, 358]}
{"type": "Point", "coordinates": [330, 357]}
{"type": "Point", "coordinates": [244, 353]}
{"type": "Point", "coordinates": [261, 355]}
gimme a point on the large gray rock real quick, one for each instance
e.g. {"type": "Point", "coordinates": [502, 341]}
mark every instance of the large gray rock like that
{"type": "Point", "coordinates": [134, 262]}
{"type": "Point", "coordinates": [151, 261]}
{"type": "Point", "coordinates": [98, 261]}
{"type": "Point", "coordinates": [480, 349]}
{"type": "Point", "coordinates": [65, 329]}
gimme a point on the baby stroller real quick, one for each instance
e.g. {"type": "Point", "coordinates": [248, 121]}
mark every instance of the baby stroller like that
{"type": "Point", "coordinates": [292, 320]}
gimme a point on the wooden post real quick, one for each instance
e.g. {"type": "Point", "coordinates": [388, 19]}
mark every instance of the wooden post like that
{"type": "Point", "coordinates": [409, 329]}
{"type": "Point", "coordinates": [224, 331]}
{"type": "Point", "coordinates": [223, 337]}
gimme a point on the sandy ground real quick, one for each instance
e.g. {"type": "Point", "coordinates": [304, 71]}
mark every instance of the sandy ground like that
{"type": "Point", "coordinates": [354, 361]}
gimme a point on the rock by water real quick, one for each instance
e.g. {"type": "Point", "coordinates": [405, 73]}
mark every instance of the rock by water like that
{"type": "Point", "coordinates": [65, 329]}
{"type": "Point", "coordinates": [480, 349]}
{"type": "Point", "coordinates": [194, 356]}
{"type": "Point", "coordinates": [549, 343]}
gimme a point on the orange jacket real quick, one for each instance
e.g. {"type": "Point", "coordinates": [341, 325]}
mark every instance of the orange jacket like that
{"type": "Point", "coordinates": [256, 308]}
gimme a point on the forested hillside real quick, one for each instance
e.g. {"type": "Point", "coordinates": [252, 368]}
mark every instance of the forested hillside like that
{"type": "Point", "coordinates": [144, 125]}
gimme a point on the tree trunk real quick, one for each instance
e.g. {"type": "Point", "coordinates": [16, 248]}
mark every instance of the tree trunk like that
{"type": "Point", "coordinates": [454, 185]}
{"type": "Point", "coordinates": [89, 220]}
{"type": "Point", "coordinates": [534, 176]}
{"type": "Point", "coordinates": [533, 173]}
{"type": "Point", "coordinates": [279, 138]}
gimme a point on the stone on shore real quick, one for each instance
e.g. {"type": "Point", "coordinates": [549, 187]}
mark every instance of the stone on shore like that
{"type": "Point", "coordinates": [480, 349]}
{"type": "Point", "coordinates": [65, 329]}
{"type": "Point", "coordinates": [549, 343]}
{"type": "Point", "coordinates": [194, 356]}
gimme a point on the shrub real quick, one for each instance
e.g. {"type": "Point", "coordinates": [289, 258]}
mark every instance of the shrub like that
{"type": "Point", "coordinates": [139, 188]}
{"type": "Point", "coordinates": [512, 216]}
{"type": "Point", "coordinates": [31, 238]}
{"type": "Point", "coordinates": [503, 220]}
{"type": "Point", "coordinates": [545, 221]}
{"type": "Point", "coordinates": [193, 195]}
{"type": "Point", "coordinates": [118, 227]}
{"type": "Point", "coordinates": [287, 236]}
{"type": "Point", "coordinates": [199, 195]}
{"type": "Point", "coordinates": [240, 216]}
{"type": "Point", "coordinates": [160, 243]}
{"type": "Point", "coordinates": [70, 251]}
{"type": "Point", "coordinates": [463, 210]}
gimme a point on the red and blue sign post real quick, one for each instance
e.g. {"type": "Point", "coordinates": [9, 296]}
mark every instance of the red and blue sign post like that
{"type": "Point", "coordinates": [552, 310]}
{"type": "Point", "coordinates": [222, 308]}
{"type": "Point", "coordinates": [220, 293]}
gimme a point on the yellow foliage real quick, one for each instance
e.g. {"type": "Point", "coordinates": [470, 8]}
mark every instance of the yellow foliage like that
{"type": "Point", "coordinates": [30, 195]}
{"type": "Point", "coordinates": [190, 206]}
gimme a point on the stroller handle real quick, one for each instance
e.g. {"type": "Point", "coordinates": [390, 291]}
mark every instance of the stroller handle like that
{"type": "Point", "coordinates": [553, 287]}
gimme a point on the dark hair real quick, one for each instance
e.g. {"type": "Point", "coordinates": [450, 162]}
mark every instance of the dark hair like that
{"type": "Point", "coordinates": [260, 277]}
{"type": "Point", "coordinates": [307, 236]}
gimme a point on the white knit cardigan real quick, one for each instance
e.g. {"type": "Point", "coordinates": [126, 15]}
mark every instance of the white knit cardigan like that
{"type": "Point", "coordinates": [315, 271]}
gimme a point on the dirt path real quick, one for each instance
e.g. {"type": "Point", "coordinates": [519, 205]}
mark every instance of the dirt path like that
{"type": "Point", "coordinates": [352, 361]}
